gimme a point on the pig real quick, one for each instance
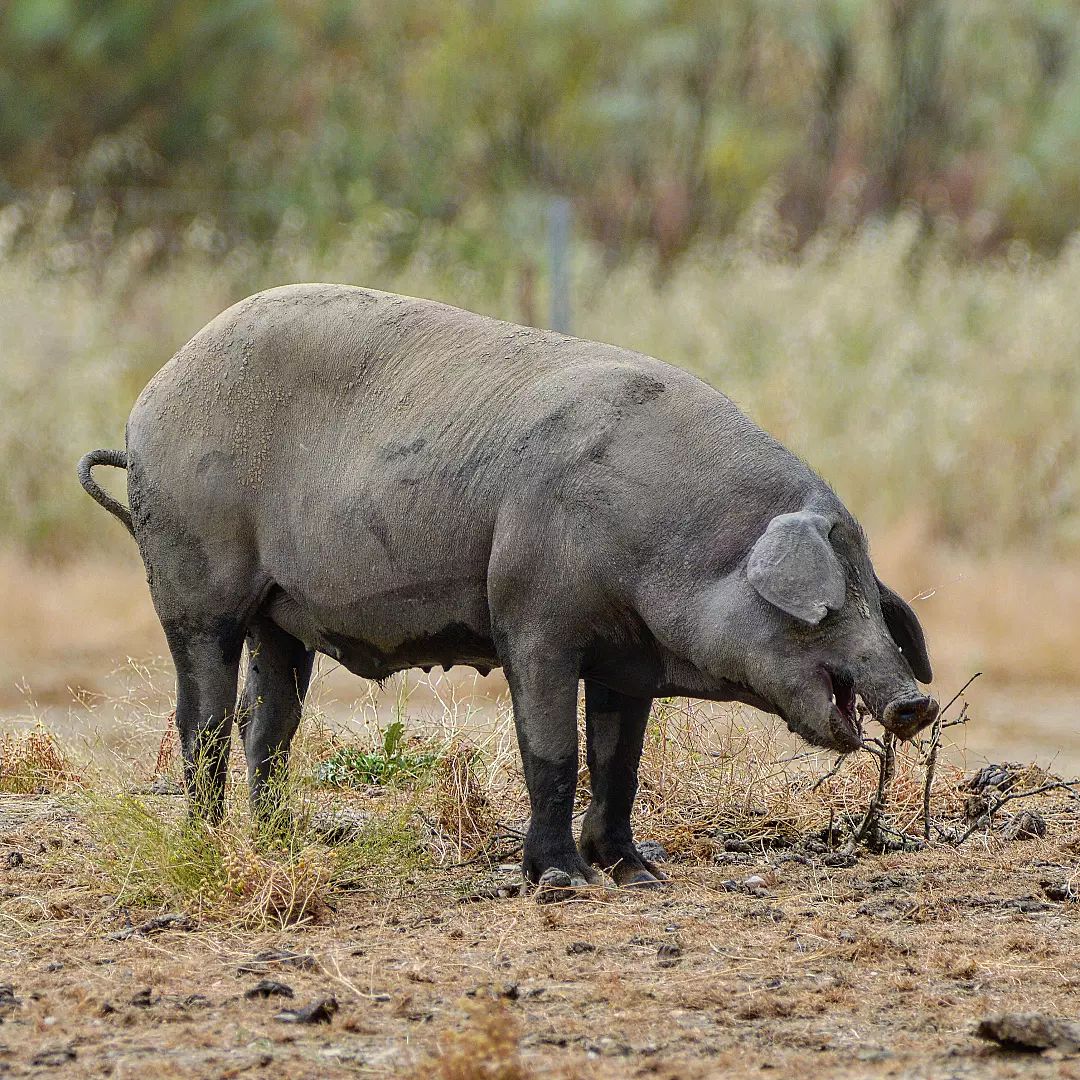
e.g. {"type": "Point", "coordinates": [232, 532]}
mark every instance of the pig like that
{"type": "Point", "coordinates": [397, 483]}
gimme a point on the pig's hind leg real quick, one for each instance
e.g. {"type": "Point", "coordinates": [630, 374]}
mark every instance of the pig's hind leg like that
{"type": "Point", "coordinates": [279, 670]}
{"type": "Point", "coordinates": [204, 596]}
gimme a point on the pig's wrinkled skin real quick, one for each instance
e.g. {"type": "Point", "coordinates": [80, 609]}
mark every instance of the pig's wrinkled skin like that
{"type": "Point", "coordinates": [398, 484]}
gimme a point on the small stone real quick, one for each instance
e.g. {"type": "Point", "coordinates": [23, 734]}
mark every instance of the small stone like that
{"type": "Point", "coordinates": [740, 847]}
{"type": "Point", "coordinates": [1026, 825]}
{"type": "Point", "coordinates": [731, 858]}
{"type": "Point", "coordinates": [265, 988]}
{"type": "Point", "coordinates": [1033, 1032]}
{"type": "Point", "coordinates": [172, 921]}
{"type": "Point", "coordinates": [849, 937]}
{"type": "Point", "coordinates": [1031, 907]}
{"type": "Point", "coordinates": [14, 860]}
{"type": "Point", "coordinates": [668, 954]}
{"type": "Point", "coordinates": [576, 948]}
{"type": "Point", "coordinates": [54, 1057]}
{"type": "Point", "coordinates": [262, 962]}
{"type": "Point", "coordinates": [318, 1012]}
{"type": "Point", "coordinates": [1062, 891]}
{"type": "Point", "coordinates": [839, 860]}
{"type": "Point", "coordinates": [651, 851]}
{"type": "Point", "coordinates": [754, 881]}
{"type": "Point", "coordinates": [143, 999]}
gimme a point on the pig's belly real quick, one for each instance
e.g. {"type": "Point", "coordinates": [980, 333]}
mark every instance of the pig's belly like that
{"type": "Point", "coordinates": [376, 632]}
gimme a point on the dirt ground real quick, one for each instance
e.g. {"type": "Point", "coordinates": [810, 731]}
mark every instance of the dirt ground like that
{"type": "Point", "coordinates": [880, 968]}
{"type": "Point", "coordinates": [877, 965]}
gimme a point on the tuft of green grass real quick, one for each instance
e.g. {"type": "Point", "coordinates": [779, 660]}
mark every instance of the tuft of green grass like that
{"type": "Point", "coordinates": [274, 873]}
{"type": "Point", "coordinates": [153, 859]}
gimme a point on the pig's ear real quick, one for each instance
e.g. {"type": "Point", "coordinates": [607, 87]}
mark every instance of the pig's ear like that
{"type": "Point", "coordinates": [794, 567]}
{"type": "Point", "coordinates": [906, 632]}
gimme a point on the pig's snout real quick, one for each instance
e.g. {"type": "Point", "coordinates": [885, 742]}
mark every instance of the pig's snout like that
{"type": "Point", "coordinates": [909, 716]}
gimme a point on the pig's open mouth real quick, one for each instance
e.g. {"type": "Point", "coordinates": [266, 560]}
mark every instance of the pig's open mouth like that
{"type": "Point", "coordinates": [843, 716]}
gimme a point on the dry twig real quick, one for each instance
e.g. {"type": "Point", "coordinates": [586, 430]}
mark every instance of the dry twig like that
{"type": "Point", "coordinates": [935, 743]}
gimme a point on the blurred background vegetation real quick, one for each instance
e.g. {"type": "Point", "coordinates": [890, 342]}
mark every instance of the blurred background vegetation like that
{"type": "Point", "coordinates": [664, 120]}
{"type": "Point", "coordinates": [854, 216]}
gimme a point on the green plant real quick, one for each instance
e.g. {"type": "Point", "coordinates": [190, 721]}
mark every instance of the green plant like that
{"type": "Point", "coordinates": [395, 762]}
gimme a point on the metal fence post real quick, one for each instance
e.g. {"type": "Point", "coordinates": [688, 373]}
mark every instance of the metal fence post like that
{"type": "Point", "coordinates": [559, 259]}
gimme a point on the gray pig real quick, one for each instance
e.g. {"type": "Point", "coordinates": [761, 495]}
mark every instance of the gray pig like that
{"type": "Point", "coordinates": [397, 483]}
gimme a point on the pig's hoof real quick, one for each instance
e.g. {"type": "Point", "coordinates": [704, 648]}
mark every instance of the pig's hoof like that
{"type": "Point", "coordinates": [538, 864]}
{"type": "Point", "coordinates": [556, 885]}
{"type": "Point", "coordinates": [638, 876]}
{"type": "Point", "coordinates": [627, 864]}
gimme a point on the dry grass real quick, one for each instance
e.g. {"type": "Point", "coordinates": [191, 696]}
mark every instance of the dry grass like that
{"type": "Point", "coordinates": [33, 762]}
{"type": "Point", "coordinates": [486, 1050]}
{"type": "Point", "coordinates": [710, 776]}
{"type": "Point", "coordinates": [465, 812]}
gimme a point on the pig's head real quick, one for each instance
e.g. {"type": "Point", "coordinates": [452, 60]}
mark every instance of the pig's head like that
{"type": "Point", "coordinates": [803, 626]}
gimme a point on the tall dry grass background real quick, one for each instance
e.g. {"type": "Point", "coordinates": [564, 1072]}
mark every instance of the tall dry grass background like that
{"type": "Point", "coordinates": [924, 389]}
{"type": "Point", "coordinates": [941, 398]}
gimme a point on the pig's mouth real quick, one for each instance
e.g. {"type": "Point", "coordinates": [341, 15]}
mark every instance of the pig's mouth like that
{"type": "Point", "coordinates": [825, 713]}
{"type": "Point", "coordinates": [844, 723]}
